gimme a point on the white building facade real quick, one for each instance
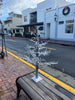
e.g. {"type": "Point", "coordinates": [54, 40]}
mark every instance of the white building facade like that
{"type": "Point", "coordinates": [57, 17]}
{"type": "Point", "coordinates": [11, 23]}
{"type": "Point", "coordinates": [60, 26]}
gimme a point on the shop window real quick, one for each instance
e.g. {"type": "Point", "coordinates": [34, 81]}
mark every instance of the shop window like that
{"type": "Point", "coordinates": [69, 28]}
{"type": "Point", "coordinates": [17, 30]}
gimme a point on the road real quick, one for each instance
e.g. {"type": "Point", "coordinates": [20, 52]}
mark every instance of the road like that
{"type": "Point", "coordinates": [60, 57]}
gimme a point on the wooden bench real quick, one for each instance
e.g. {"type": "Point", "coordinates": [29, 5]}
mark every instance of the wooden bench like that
{"type": "Point", "coordinates": [43, 90]}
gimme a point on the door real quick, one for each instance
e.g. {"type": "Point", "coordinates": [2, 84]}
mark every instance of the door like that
{"type": "Point", "coordinates": [48, 30]}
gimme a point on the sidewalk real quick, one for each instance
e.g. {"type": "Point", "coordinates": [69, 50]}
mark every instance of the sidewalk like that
{"type": "Point", "coordinates": [10, 69]}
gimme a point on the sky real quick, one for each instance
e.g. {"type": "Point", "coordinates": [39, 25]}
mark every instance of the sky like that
{"type": "Point", "coordinates": [18, 6]}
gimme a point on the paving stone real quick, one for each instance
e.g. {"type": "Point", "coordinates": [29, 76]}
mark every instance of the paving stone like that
{"type": "Point", "coordinates": [10, 69]}
{"type": "Point", "coordinates": [4, 99]}
{"type": "Point", "coordinates": [0, 80]}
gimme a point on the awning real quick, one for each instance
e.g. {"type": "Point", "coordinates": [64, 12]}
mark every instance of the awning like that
{"type": "Point", "coordinates": [36, 24]}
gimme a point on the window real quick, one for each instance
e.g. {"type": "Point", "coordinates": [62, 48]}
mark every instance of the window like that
{"type": "Point", "coordinates": [17, 30]}
{"type": "Point", "coordinates": [70, 21]}
{"type": "Point", "coordinates": [61, 22]}
{"type": "Point", "coordinates": [69, 28]}
{"type": "Point", "coordinates": [25, 18]}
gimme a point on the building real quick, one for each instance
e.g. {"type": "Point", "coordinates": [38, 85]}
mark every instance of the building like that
{"type": "Point", "coordinates": [52, 19]}
{"type": "Point", "coordinates": [60, 23]}
{"type": "Point", "coordinates": [11, 23]}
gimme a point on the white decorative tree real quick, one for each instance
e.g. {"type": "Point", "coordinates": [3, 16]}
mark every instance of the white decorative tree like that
{"type": "Point", "coordinates": [36, 52]}
{"type": "Point", "coordinates": [37, 78]}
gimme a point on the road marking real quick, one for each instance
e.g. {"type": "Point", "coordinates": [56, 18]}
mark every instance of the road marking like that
{"type": "Point", "coordinates": [67, 87]}
{"type": "Point", "coordinates": [48, 48]}
{"type": "Point", "coordinates": [12, 40]}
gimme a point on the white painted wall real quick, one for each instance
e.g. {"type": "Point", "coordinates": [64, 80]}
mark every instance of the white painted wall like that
{"type": "Point", "coordinates": [60, 27]}
{"type": "Point", "coordinates": [26, 13]}
{"type": "Point", "coordinates": [41, 8]}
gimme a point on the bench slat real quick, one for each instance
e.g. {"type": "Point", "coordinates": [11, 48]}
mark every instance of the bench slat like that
{"type": "Point", "coordinates": [28, 90]}
{"type": "Point", "coordinates": [37, 89]}
{"type": "Point", "coordinates": [42, 90]}
{"type": "Point", "coordinates": [51, 86]}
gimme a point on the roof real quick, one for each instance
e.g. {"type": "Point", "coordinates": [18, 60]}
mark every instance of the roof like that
{"type": "Point", "coordinates": [7, 20]}
{"type": "Point", "coordinates": [14, 13]}
{"type": "Point", "coordinates": [36, 24]}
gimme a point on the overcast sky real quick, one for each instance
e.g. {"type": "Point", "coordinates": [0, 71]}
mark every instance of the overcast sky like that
{"type": "Point", "coordinates": [18, 5]}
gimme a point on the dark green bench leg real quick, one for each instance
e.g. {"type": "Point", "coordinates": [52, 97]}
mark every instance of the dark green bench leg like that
{"type": "Point", "coordinates": [18, 90]}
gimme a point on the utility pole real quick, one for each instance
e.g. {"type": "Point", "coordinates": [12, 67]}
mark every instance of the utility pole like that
{"type": "Point", "coordinates": [2, 54]}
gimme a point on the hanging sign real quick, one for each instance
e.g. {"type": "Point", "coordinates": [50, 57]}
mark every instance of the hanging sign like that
{"type": "Point", "coordinates": [66, 11]}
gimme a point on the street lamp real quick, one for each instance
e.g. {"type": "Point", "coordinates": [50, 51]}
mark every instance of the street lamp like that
{"type": "Point", "coordinates": [55, 17]}
{"type": "Point", "coordinates": [56, 24]}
